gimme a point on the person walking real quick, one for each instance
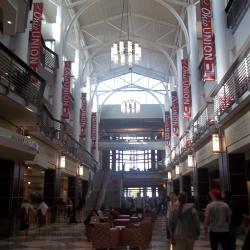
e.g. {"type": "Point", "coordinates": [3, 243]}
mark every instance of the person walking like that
{"type": "Point", "coordinates": [184, 224]}
{"type": "Point", "coordinates": [217, 220]}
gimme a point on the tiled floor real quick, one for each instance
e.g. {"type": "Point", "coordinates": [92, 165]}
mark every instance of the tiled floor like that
{"type": "Point", "coordinates": [72, 237]}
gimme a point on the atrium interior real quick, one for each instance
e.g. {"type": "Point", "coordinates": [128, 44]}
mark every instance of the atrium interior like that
{"type": "Point", "coordinates": [115, 105]}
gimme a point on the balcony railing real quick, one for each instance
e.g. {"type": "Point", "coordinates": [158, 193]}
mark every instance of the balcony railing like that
{"type": "Point", "coordinates": [234, 85]}
{"type": "Point", "coordinates": [236, 9]}
{"type": "Point", "coordinates": [48, 58]}
{"type": "Point", "coordinates": [18, 77]}
{"type": "Point", "coordinates": [51, 127]}
{"type": "Point", "coordinates": [203, 121]}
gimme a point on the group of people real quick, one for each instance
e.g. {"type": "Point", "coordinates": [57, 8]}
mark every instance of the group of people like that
{"type": "Point", "coordinates": [27, 210]}
{"type": "Point", "coordinates": [222, 220]}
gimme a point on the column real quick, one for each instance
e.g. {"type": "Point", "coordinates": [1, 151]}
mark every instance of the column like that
{"type": "Point", "coordinates": [113, 160]}
{"type": "Point", "coordinates": [52, 182]}
{"type": "Point", "coordinates": [84, 190]}
{"type": "Point", "coordinates": [235, 174]}
{"type": "Point", "coordinates": [176, 186]}
{"type": "Point", "coordinates": [73, 194]}
{"type": "Point", "coordinates": [174, 138]}
{"type": "Point", "coordinates": [153, 159]}
{"type": "Point", "coordinates": [221, 34]}
{"type": "Point", "coordinates": [11, 194]}
{"type": "Point", "coordinates": [186, 184]}
{"type": "Point", "coordinates": [106, 160]}
{"type": "Point", "coordinates": [167, 108]}
{"type": "Point", "coordinates": [153, 192]}
{"type": "Point", "coordinates": [57, 99]}
{"type": "Point", "coordinates": [89, 111]}
{"type": "Point", "coordinates": [196, 86]}
{"type": "Point", "coordinates": [97, 135]}
{"type": "Point", "coordinates": [180, 94]}
{"type": "Point", "coordinates": [202, 185]}
{"type": "Point", "coordinates": [77, 96]}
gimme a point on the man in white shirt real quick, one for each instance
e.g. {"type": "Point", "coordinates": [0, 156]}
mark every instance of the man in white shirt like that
{"type": "Point", "coordinates": [27, 206]}
{"type": "Point", "coordinates": [217, 219]}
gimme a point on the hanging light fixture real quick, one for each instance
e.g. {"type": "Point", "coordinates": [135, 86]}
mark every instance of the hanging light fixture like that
{"type": "Point", "coordinates": [177, 170]}
{"type": "Point", "coordinates": [169, 175]}
{"type": "Point", "coordinates": [125, 51]}
{"type": "Point", "coordinates": [130, 107]}
{"type": "Point", "coordinates": [190, 161]}
{"type": "Point", "coordinates": [216, 143]}
{"type": "Point", "coordinates": [80, 170]}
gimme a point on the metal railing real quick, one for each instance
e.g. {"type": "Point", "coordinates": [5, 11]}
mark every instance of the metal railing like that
{"type": "Point", "coordinates": [202, 122]}
{"type": "Point", "coordinates": [48, 58]}
{"type": "Point", "coordinates": [16, 76]}
{"type": "Point", "coordinates": [236, 9]}
{"type": "Point", "coordinates": [51, 127]}
{"type": "Point", "coordinates": [234, 84]}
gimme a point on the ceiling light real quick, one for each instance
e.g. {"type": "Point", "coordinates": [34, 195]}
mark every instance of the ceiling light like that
{"type": "Point", "coordinates": [29, 182]}
{"type": "Point", "coordinates": [9, 22]}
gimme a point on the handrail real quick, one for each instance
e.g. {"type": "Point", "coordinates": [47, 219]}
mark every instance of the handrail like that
{"type": "Point", "coordinates": [48, 58]}
{"type": "Point", "coordinates": [234, 84]}
{"type": "Point", "coordinates": [19, 78]}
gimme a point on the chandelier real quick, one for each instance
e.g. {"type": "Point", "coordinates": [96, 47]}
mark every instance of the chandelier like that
{"type": "Point", "coordinates": [125, 51]}
{"type": "Point", "coordinates": [130, 107]}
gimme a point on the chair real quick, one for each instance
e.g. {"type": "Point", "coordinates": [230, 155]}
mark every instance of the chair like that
{"type": "Point", "coordinates": [105, 237]}
{"type": "Point", "coordinates": [138, 237]}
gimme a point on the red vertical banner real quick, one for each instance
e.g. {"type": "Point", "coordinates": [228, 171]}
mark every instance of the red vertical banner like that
{"type": "Point", "coordinates": [207, 41]}
{"type": "Point", "coordinates": [66, 98]}
{"type": "Point", "coordinates": [83, 115]}
{"type": "Point", "coordinates": [35, 36]}
{"type": "Point", "coordinates": [93, 130]}
{"type": "Point", "coordinates": [167, 129]}
{"type": "Point", "coordinates": [175, 113]}
{"type": "Point", "coordinates": [186, 92]}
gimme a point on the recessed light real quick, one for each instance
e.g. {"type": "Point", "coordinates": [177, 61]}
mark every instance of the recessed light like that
{"type": "Point", "coordinates": [9, 22]}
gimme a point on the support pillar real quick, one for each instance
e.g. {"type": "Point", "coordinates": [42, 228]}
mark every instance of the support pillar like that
{"type": "Point", "coordinates": [57, 98]}
{"type": "Point", "coordinates": [180, 94]}
{"type": "Point", "coordinates": [11, 194]}
{"type": "Point", "coordinates": [202, 186]}
{"type": "Point", "coordinates": [153, 159]}
{"type": "Point", "coordinates": [221, 38]}
{"type": "Point", "coordinates": [89, 112]}
{"type": "Point", "coordinates": [52, 182]}
{"type": "Point", "coordinates": [196, 86]}
{"type": "Point", "coordinates": [114, 160]}
{"type": "Point", "coordinates": [176, 186]}
{"type": "Point", "coordinates": [235, 175]}
{"type": "Point", "coordinates": [186, 185]}
{"type": "Point", "coordinates": [84, 190]}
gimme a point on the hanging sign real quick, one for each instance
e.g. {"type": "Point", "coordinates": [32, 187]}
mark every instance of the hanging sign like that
{"type": "Point", "coordinates": [93, 130]}
{"type": "Point", "coordinates": [167, 129]}
{"type": "Point", "coordinates": [35, 36]}
{"type": "Point", "coordinates": [175, 113]}
{"type": "Point", "coordinates": [83, 115]}
{"type": "Point", "coordinates": [186, 89]}
{"type": "Point", "coordinates": [66, 96]}
{"type": "Point", "coordinates": [207, 41]}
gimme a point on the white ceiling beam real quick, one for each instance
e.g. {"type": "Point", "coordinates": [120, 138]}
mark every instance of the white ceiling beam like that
{"type": "Point", "coordinates": [91, 35]}
{"type": "Point", "coordinates": [117, 28]}
{"type": "Point", "coordinates": [165, 35]}
{"type": "Point", "coordinates": [172, 25]}
{"type": "Point", "coordinates": [177, 2]}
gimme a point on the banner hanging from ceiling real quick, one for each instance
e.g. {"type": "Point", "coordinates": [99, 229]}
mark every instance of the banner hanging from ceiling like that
{"type": "Point", "coordinates": [186, 91]}
{"type": "Point", "coordinates": [207, 41]}
{"type": "Point", "coordinates": [35, 36]}
{"type": "Point", "coordinates": [66, 96]}
{"type": "Point", "coordinates": [93, 130]}
{"type": "Point", "coordinates": [83, 115]}
{"type": "Point", "coordinates": [175, 113]}
{"type": "Point", "coordinates": [167, 129]}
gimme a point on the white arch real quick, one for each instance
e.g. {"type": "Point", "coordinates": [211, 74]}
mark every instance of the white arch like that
{"type": "Point", "coordinates": [161, 2]}
{"type": "Point", "coordinates": [124, 87]}
{"type": "Point", "coordinates": [159, 48]}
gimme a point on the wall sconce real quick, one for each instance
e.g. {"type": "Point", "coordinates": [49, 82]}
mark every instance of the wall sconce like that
{"type": "Point", "coordinates": [169, 175]}
{"type": "Point", "coordinates": [177, 170]}
{"type": "Point", "coordinates": [62, 161]}
{"type": "Point", "coordinates": [190, 161]}
{"type": "Point", "coordinates": [216, 143]}
{"type": "Point", "coordinates": [80, 170]}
